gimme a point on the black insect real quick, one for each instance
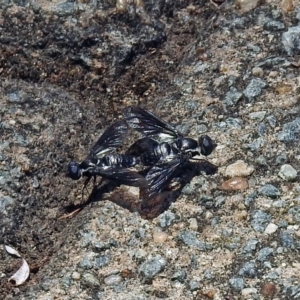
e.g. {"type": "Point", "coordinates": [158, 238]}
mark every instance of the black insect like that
{"type": "Point", "coordinates": [166, 157]}
{"type": "Point", "coordinates": [102, 161]}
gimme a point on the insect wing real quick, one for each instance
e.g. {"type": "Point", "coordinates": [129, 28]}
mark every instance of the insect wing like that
{"type": "Point", "coordinates": [122, 175]}
{"type": "Point", "coordinates": [159, 176]}
{"type": "Point", "coordinates": [147, 123]}
{"type": "Point", "coordinates": [111, 139]}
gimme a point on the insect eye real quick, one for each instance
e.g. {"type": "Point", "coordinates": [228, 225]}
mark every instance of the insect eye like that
{"type": "Point", "coordinates": [74, 171]}
{"type": "Point", "coordinates": [206, 144]}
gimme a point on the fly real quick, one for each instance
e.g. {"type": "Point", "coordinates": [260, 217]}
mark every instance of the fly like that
{"type": "Point", "coordinates": [164, 158]}
{"type": "Point", "coordinates": [103, 161]}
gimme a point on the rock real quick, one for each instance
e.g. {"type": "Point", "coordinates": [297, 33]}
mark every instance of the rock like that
{"type": "Point", "coordinates": [272, 121]}
{"type": "Point", "coordinates": [235, 184]}
{"type": "Point", "coordinates": [272, 25]}
{"type": "Point", "coordinates": [264, 254]}
{"type": "Point", "coordinates": [250, 246]}
{"type": "Point", "coordinates": [190, 239]}
{"type": "Point", "coordinates": [268, 290]}
{"type": "Point", "coordinates": [193, 224]}
{"type": "Point", "coordinates": [248, 270]}
{"type": "Point", "coordinates": [261, 160]}
{"type": "Point", "coordinates": [260, 220]}
{"type": "Point", "coordinates": [271, 228]}
{"type": "Point", "coordinates": [257, 115]}
{"type": "Point", "coordinates": [287, 172]}
{"type": "Point", "coordinates": [76, 275]}
{"type": "Point", "coordinates": [246, 5]}
{"type": "Point", "coordinates": [254, 88]}
{"type": "Point", "coordinates": [291, 40]}
{"type": "Point", "coordinates": [166, 219]}
{"type": "Point", "coordinates": [247, 292]}
{"type": "Point", "coordinates": [194, 285]}
{"type": "Point", "coordinates": [159, 237]}
{"type": "Point", "coordinates": [290, 131]}
{"type": "Point", "coordinates": [239, 169]}
{"type": "Point", "coordinates": [237, 283]}
{"type": "Point", "coordinates": [152, 267]}
{"type": "Point", "coordinates": [256, 144]}
{"type": "Point", "coordinates": [219, 201]}
{"type": "Point", "coordinates": [258, 71]}
{"type": "Point", "coordinates": [5, 201]}
{"type": "Point", "coordinates": [90, 280]}
{"type": "Point", "coordinates": [113, 280]}
{"type": "Point", "coordinates": [179, 275]}
{"type": "Point", "coordinates": [269, 190]}
{"type": "Point", "coordinates": [232, 97]}
{"type": "Point", "coordinates": [286, 240]}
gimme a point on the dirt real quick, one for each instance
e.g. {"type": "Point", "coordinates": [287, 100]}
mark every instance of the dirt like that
{"type": "Point", "coordinates": [76, 74]}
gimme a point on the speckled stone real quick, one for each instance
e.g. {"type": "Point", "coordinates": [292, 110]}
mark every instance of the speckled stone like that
{"type": "Point", "coordinates": [287, 172]}
{"type": "Point", "coordinates": [271, 228]}
{"type": "Point", "coordinates": [235, 184]}
{"type": "Point", "coordinates": [239, 168]}
{"type": "Point", "coordinates": [260, 220]}
{"type": "Point", "coordinates": [269, 190]}
{"type": "Point", "coordinates": [152, 267]}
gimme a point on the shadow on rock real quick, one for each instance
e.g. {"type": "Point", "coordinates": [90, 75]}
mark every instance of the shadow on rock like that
{"type": "Point", "coordinates": [148, 208]}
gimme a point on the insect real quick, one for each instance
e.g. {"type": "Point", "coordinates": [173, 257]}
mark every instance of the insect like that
{"type": "Point", "coordinates": [103, 161]}
{"type": "Point", "coordinates": [165, 158]}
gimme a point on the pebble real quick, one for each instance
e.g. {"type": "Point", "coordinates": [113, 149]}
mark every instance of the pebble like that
{"type": "Point", "coordinates": [254, 88]}
{"type": "Point", "coordinates": [246, 5]}
{"type": "Point", "coordinates": [248, 292]}
{"type": "Point", "coordinates": [166, 219]}
{"type": "Point", "coordinates": [232, 97]}
{"type": "Point", "coordinates": [268, 290]}
{"type": "Point", "coordinates": [35, 183]}
{"type": "Point", "coordinates": [90, 280]}
{"type": "Point", "coordinates": [260, 220]}
{"type": "Point", "coordinates": [248, 270]}
{"type": "Point", "coordinates": [287, 172]}
{"type": "Point", "coordinates": [5, 201]}
{"type": "Point", "coordinates": [290, 131]}
{"type": "Point", "coordinates": [257, 115]}
{"type": "Point", "coordinates": [237, 283]}
{"type": "Point", "coordinates": [279, 203]}
{"type": "Point", "coordinates": [261, 160]}
{"type": "Point", "coordinates": [287, 5]}
{"type": "Point", "coordinates": [113, 280]}
{"type": "Point", "coordinates": [194, 285]}
{"type": "Point", "coordinates": [239, 169]}
{"type": "Point", "coordinates": [159, 237]}
{"type": "Point", "coordinates": [76, 275]}
{"type": "Point", "coordinates": [272, 121]}
{"type": "Point", "coordinates": [271, 228]}
{"type": "Point", "coordinates": [264, 254]}
{"type": "Point", "coordinates": [269, 190]}
{"type": "Point", "coordinates": [190, 239]}
{"type": "Point", "coordinates": [290, 40]}
{"type": "Point", "coordinates": [286, 239]}
{"type": "Point", "coordinates": [235, 184]}
{"type": "Point", "coordinates": [152, 267]}
{"type": "Point", "coordinates": [250, 246]}
{"type": "Point", "coordinates": [193, 224]}
{"type": "Point", "coordinates": [258, 71]}
{"type": "Point", "coordinates": [179, 275]}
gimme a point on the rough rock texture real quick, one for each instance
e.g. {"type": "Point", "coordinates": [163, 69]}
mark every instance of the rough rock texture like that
{"type": "Point", "coordinates": [68, 68]}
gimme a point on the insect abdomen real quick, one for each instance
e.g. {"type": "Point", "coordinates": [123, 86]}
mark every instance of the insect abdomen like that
{"type": "Point", "coordinates": [119, 160]}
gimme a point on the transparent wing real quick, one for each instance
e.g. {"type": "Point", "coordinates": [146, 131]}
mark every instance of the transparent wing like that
{"type": "Point", "coordinates": [111, 139]}
{"type": "Point", "coordinates": [159, 176]}
{"type": "Point", "coordinates": [121, 175]}
{"type": "Point", "coordinates": [147, 123]}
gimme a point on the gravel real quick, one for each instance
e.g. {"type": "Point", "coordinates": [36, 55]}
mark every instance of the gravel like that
{"type": "Point", "coordinates": [231, 72]}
